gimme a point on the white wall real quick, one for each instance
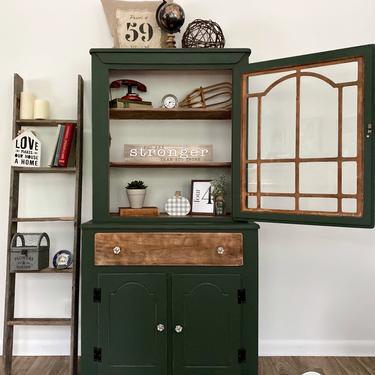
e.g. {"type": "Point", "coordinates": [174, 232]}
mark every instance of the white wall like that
{"type": "Point", "coordinates": [316, 284]}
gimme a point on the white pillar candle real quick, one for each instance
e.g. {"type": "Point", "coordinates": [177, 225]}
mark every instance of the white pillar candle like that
{"type": "Point", "coordinates": [41, 109]}
{"type": "Point", "coordinates": [27, 105]}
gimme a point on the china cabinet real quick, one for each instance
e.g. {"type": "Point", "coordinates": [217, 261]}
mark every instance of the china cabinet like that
{"type": "Point", "coordinates": [179, 295]}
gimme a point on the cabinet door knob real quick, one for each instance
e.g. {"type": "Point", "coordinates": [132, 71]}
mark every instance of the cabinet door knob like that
{"type": "Point", "coordinates": [117, 250]}
{"type": "Point", "coordinates": [178, 328]}
{"type": "Point", "coordinates": [160, 327]}
{"type": "Point", "coordinates": [220, 250]}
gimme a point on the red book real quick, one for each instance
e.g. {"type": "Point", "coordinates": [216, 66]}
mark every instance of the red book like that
{"type": "Point", "coordinates": [66, 145]}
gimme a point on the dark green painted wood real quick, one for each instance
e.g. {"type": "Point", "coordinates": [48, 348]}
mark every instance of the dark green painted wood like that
{"type": "Point", "coordinates": [207, 308]}
{"type": "Point", "coordinates": [184, 58]}
{"type": "Point", "coordinates": [367, 221]}
{"type": "Point", "coordinates": [131, 308]}
{"type": "Point", "coordinates": [105, 60]}
{"type": "Point", "coordinates": [92, 313]}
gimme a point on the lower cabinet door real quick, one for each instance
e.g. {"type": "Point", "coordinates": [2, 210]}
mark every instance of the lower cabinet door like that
{"type": "Point", "coordinates": [206, 324]}
{"type": "Point", "coordinates": [132, 321]}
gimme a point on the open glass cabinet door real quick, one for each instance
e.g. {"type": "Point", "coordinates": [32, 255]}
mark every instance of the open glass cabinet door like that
{"type": "Point", "coordinates": [305, 145]}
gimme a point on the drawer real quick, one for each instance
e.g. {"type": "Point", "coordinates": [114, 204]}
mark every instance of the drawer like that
{"type": "Point", "coordinates": [169, 249]}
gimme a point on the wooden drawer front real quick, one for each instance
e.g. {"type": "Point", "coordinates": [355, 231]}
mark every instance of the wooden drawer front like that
{"type": "Point", "coordinates": [169, 249]}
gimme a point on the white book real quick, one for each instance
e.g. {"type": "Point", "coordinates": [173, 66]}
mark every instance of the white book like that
{"type": "Point", "coordinates": [55, 142]}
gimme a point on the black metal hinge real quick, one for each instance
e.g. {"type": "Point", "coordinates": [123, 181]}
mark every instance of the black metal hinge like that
{"type": "Point", "coordinates": [241, 296]}
{"type": "Point", "coordinates": [97, 354]}
{"type": "Point", "coordinates": [241, 355]}
{"type": "Point", "coordinates": [97, 295]}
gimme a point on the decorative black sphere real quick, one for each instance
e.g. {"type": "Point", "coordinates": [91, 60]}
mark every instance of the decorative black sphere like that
{"type": "Point", "coordinates": [170, 17]}
{"type": "Point", "coordinates": [203, 34]}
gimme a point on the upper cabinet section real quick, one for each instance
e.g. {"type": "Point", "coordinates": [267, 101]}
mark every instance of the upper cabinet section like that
{"type": "Point", "coordinates": [146, 140]}
{"type": "Point", "coordinates": [306, 139]}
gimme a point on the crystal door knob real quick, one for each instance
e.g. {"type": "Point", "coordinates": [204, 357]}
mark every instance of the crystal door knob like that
{"type": "Point", "coordinates": [160, 327]}
{"type": "Point", "coordinates": [178, 328]}
{"type": "Point", "coordinates": [220, 250]}
{"type": "Point", "coordinates": [117, 250]}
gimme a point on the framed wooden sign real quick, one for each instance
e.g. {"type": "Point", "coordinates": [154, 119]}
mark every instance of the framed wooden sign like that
{"type": "Point", "coordinates": [202, 201]}
{"type": "Point", "coordinates": [26, 150]}
{"type": "Point", "coordinates": [133, 24]}
{"type": "Point", "coordinates": [167, 153]}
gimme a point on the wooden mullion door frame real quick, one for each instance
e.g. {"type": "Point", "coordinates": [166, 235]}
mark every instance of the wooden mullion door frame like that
{"type": "Point", "coordinates": [364, 141]}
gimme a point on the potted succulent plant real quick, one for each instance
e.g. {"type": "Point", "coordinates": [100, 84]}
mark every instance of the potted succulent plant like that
{"type": "Point", "coordinates": [136, 191]}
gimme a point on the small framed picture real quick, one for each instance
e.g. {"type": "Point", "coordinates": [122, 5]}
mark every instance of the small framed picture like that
{"type": "Point", "coordinates": [202, 201]}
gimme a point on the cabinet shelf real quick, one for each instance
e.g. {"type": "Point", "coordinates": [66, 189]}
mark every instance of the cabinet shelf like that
{"type": "Point", "coordinates": [45, 123]}
{"type": "Point", "coordinates": [164, 216]}
{"type": "Point", "coordinates": [172, 165]}
{"type": "Point", "coordinates": [170, 114]}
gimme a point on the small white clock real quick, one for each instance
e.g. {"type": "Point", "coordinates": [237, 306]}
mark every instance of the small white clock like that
{"type": "Point", "coordinates": [169, 101]}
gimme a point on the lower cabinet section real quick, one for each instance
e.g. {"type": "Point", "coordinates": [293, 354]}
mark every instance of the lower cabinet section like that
{"type": "Point", "coordinates": [144, 319]}
{"type": "Point", "coordinates": [206, 316]}
{"type": "Point", "coordinates": [132, 312]}
{"type": "Point", "coordinates": [169, 300]}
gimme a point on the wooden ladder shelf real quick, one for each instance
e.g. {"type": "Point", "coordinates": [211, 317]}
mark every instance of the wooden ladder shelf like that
{"type": "Point", "coordinates": [9, 319]}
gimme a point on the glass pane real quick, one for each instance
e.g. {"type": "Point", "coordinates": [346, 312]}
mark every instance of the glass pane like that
{"type": "Point", "coordinates": [279, 121]}
{"type": "Point", "coordinates": [338, 73]}
{"type": "Point", "coordinates": [252, 178]}
{"type": "Point", "coordinates": [349, 205]}
{"type": "Point", "coordinates": [319, 119]}
{"type": "Point", "coordinates": [278, 178]}
{"type": "Point", "coordinates": [259, 83]}
{"type": "Point", "coordinates": [321, 101]}
{"type": "Point", "coordinates": [318, 204]}
{"type": "Point", "coordinates": [349, 178]}
{"type": "Point", "coordinates": [349, 121]}
{"type": "Point", "coordinates": [318, 178]}
{"type": "Point", "coordinates": [252, 137]}
{"type": "Point", "coordinates": [251, 202]}
{"type": "Point", "coordinates": [278, 203]}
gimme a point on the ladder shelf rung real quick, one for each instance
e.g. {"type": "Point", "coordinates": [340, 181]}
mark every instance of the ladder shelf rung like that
{"type": "Point", "coordinates": [44, 122]}
{"type": "Point", "coordinates": [42, 219]}
{"type": "Point", "coordinates": [39, 322]}
{"type": "Point", "coordinates": [49, 270]}
{"type": "Point", "coordinates": [44, 170]}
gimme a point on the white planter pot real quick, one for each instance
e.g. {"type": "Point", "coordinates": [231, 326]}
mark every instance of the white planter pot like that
{"type": "Point", "coordinates": [136, 197]}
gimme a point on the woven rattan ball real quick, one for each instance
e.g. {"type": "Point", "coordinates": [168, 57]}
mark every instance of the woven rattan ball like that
{"type": "Point", "coordinates": [203, 34]}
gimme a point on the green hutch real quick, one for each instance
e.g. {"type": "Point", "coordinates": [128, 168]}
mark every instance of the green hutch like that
{"type": "Point", "coordinates": [179, 295]}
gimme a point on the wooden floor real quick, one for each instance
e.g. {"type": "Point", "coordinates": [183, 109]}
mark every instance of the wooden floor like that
{"type": "Point", "coordinates": [267, 365]}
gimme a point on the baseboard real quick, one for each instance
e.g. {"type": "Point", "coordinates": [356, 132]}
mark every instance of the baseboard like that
{"type": "Point", "coordinates": [357, 348]}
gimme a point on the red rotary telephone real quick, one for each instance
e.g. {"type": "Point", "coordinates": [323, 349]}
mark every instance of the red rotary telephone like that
{"type": "Point", "coordinates": [129, 83]}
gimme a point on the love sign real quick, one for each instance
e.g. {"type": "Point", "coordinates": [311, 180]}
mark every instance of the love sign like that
{"type": "Point", "coordinates": [26, 150]}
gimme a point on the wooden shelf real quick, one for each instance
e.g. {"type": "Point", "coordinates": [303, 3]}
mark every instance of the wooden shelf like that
{"type": "Point", "coordinates": [41, 219]}
{"type": "Point", "coordinates": [44, 122]}
{"type": "Point", "coordinates": [39, 322]}
{"type": "Point", "coordinates": [44, 170]}
{"type": "Point", "coordinates": [170, 114]}
{"type": "Point", "coordinates": [210, 164]}
{"type": "Point", "coordinates": [164, 215]}
{"type": "Point", "coordinates": [49, 270]}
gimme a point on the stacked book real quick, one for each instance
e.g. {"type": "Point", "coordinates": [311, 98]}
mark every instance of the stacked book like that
{"type": "Point", "coordinates": [62, 145]}
{"type": "Point", "coordinates": [131, 104]}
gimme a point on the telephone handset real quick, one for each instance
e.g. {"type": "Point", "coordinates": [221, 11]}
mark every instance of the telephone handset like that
{"type": "Point", "coordinates": [129, 83]}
